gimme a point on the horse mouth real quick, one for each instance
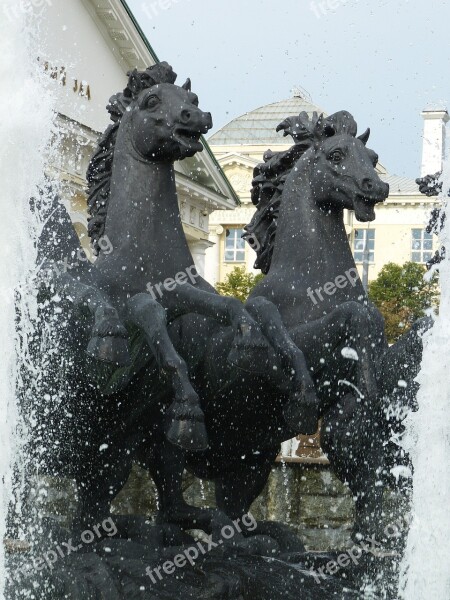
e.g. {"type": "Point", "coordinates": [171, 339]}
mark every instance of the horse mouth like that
{"type": "Point", "coordinates": [364, 207]}
{"type": "Point", "coordinates": [188, 139]}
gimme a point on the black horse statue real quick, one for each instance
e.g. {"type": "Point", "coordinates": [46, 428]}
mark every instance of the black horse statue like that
{"type": "Point", "coordinates": [365, 387]}
{"type": "Point", "coordinates": [312, 279]}
{"type": "Point", "coordinates": [221, 359]}
{"type": "Point", "coordinates": [224, 391]}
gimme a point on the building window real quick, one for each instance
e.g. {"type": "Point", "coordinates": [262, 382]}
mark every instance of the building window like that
{"type": "Point", "coordinates": [359, 244]}
{"type": "Point", "coordinates": [421, 246]}
{"type": "Point", "coordinates": [234, 245]}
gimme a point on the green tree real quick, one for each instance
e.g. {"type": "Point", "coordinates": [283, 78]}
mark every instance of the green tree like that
{"type": "Point", "coordinates": [402, 295]}
{"type": "Point", "coordinates": [239, 283]}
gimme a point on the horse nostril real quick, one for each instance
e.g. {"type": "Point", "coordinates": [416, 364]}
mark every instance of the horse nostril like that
{"type": "Point", "coordinates": [367, 185]}
{"type": "Point", "coordinates": [185, 116]}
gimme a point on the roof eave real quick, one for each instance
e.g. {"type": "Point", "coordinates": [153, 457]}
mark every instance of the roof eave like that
{"type": "Point", "coordinates": [139, 30]}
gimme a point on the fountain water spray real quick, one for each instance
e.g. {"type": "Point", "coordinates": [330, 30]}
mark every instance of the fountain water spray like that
{"type": "Point", "coordinates": [425, 568]}
{"type": "Point", "coordinates": [26, 115]}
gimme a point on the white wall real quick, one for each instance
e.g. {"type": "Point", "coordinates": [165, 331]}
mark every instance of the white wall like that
{"type": "Point", "coordinates": [72, 40]}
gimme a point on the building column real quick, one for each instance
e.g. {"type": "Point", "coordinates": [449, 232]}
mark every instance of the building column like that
{"type": "Point", "coordinates": [434, 132]}
{"type": "Point", "coordinates": [289, 448]}
{"type": "Point", "coordinates": [212, 266]}
{"type": "Point", "coordinates": [198, 251]}
{"type": "Point", "coordinates": [250, 258]}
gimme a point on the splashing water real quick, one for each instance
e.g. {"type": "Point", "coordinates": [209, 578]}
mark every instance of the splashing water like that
{"type": "Point", "coordinates": [26, 110]}
{"type": "Point", "coordinates": [425, 568]}
{"type": "Point", "coordinates": [202, 490]}
{"type": "Point", "coordinates": [287, 493]}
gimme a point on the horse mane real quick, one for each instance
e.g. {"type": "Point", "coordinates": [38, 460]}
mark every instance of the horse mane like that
{"type": "Point", "coordinates": [100, 166]}
{"type": "Point", "coordinates": [269, 177]}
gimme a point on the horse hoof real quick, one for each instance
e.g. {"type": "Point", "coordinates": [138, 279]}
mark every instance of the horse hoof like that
{"type": "Point", "coordinates": [301, 413]}
{"type": "Point", "coordinates": [187, 426]}
{"type": "Point", "coordinates": [109, 349]}
{"type": "Point", "coordinates": [250, 357]}
{"type": "Point", "coordinates": [188, 435]}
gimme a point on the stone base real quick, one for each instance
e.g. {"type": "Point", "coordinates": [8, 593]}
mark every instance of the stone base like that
{"type": "Point", "coordinates": [140, 563]}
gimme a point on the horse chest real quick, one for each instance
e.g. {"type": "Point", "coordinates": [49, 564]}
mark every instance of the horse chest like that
{"type": "Point", "coordinates": [306, 300]}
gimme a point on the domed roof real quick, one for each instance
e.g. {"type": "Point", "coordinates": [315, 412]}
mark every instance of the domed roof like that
{"type": "Point", "coordinates": [259, 126]}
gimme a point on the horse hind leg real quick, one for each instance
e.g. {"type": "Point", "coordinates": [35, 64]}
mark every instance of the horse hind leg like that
{"type": "Point", "coordinates": [109, 338]}
{"type": "Point", "coordinates": [99, 480]}
{"type": "Point", "coordinates": [165, 463]}
{"type": "Point", "coordinates": [355, 446]}
{"type": "Point", "coordinates": [186, 422]}
{"type": "Point", "coordinates": [365, 335]}
{"type": "Point", "coordinates": [236, 490]}
{"type": "Point", "coordinates": [302, 410]}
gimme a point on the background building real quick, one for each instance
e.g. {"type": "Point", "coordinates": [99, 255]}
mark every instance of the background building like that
{"type": "Point", "coordinates": [398, 233]}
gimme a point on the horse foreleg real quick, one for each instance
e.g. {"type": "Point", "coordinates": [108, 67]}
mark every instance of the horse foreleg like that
{"type": "Point", "coordinates": [186, 423]}
{"type": "Point", "coordinates": [249, 350]}
{"type": "Point", "coordinates": [352, 433]}
{"type": "Point", "coordinates": [365, 333]}
{"type": "Point", "coordinates": [302, 411]}
{"type": "Point", "coordinates": [350, 326]}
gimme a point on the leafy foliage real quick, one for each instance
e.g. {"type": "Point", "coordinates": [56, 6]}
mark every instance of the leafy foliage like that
{"type": "Point", "coordinates": [239, 283]}
{"type": "Point", "coordinates": [402, 296]}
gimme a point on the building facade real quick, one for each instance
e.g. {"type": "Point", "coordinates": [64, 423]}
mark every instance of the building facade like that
{"type": "Point", "coordinates": [398, 233]}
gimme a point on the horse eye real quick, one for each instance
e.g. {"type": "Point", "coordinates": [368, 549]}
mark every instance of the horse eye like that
{"type": "Point", "coordinates": [336, 156]}
{"type": "Point", "coordinates": [152, 102]}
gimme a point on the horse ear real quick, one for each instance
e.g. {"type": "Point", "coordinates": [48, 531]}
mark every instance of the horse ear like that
{"type": "Point", "coordinates": [365, 136]}
{"type": "Point", "coordinates": [187, 86]}
{"type": "Point", "coordinates": [324, 128]}
{"type": "Point", "coordinates": [284, 125]}
{"type": "Point", "coordinates": [134, 83]}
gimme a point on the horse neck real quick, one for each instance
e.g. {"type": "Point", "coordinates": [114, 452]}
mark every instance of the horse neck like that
{"type": "Point", "coordinates": [143, 223]}
{"type": "Point", "coordinates": [311, 245]}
